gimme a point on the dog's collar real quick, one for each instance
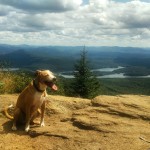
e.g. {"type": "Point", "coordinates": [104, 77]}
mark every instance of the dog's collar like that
{"type": "Point", "coordinates": [36, 87]}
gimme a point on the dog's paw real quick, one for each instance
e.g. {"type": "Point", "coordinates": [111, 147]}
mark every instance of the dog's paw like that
{"type": "Point", "coordinates": [14, 128]}
{"type": "Point", "coordinates": [42, 124]}
{"type": "Point", "coordinates": [27, 128]}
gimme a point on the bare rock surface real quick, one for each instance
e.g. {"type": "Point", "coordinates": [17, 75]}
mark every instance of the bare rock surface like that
{"type": "Point", "coordinates": [119, 122]}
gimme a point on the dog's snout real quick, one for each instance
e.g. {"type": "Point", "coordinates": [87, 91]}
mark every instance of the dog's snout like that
{"type": "Point", "coordinates": [54, 79]}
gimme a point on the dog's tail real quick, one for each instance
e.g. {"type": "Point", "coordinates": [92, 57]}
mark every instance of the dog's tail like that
{"type": "Point", "coordinates": [6, 111]}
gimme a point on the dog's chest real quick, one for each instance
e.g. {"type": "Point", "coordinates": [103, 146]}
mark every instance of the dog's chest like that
{"type": "Point", "coordinates": [38, 99]}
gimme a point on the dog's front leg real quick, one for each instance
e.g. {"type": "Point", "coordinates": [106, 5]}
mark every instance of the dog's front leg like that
{"type": "Point", "coordinates": [16, 116]}
{"type": "Point", "coordinates": [42, 114]}
{"type": "Point", "coordinates": [28, 118]}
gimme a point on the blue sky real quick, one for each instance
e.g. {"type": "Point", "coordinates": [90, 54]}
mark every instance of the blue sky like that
{"type": "Point", "coordinates": [123, 1]}
{"type": "Point", "coordinates": [86, 1]}
{"type": "Point", "coordinates": [75, 22]}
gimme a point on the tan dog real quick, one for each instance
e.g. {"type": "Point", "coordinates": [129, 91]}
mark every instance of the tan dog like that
{"type": "Point", "coordinates": [32, 98]}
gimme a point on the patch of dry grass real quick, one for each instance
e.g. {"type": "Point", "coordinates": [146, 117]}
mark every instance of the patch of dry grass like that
{"type": "Point", "coordinates": [7, 82]}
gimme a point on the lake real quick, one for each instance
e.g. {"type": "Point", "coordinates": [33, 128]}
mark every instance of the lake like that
{"type": "Point", "coordinates": [108, 69]}
{"type": "Point", "coordinates": [67, 74]}
{"type": "Point", "coordinates": [9, 69]}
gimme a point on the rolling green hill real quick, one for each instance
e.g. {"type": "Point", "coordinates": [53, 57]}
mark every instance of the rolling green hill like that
{"type": "Point", "coordinates": [63, 58]}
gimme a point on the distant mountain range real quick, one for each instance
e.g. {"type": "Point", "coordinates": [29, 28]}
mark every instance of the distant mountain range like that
{"type": "Point", "coordinates": [63, 58]}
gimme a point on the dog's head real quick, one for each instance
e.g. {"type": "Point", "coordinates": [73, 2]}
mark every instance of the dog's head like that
{"type": "Point", "coordinates": [46, 77]}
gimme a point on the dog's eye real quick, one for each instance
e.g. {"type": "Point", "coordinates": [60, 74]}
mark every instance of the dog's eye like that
{"type": "Point", "coordinates": [46, 75]}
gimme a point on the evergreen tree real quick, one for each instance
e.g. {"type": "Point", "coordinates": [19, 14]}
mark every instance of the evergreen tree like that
{"type": "Point", "coordinates": [85, 84]}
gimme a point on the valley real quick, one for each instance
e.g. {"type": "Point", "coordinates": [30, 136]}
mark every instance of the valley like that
{"type": "Point", "coordinates": [133, 61]}
{"type": "Point", "coordinates": [121, 70]}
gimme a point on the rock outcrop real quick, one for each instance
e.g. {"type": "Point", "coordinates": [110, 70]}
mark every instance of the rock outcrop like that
{"type": "Point", "coordinates": [104, 123]}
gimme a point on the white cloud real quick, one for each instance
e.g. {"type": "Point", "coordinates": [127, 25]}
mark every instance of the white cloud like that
{"type": "Point", "coordinates": [100, 4]}
{"type": "Point", "coordinates": [5, 10]}
{"type": "Point", "coordinates": [65, 22]}
{"type": "Point", "coordinates": [43, 5]}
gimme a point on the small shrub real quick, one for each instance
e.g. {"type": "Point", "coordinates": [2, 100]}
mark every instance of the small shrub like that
{"type": "Point", "coordinates": [21, 80]}
{"type": "Point", "coordinates": [6, 82]}
{"type": "Point", "coordinates": [13, 82]}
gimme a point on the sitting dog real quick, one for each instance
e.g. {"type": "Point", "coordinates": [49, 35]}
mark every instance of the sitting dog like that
{"type": "Point", "coordinates": [32, 98]}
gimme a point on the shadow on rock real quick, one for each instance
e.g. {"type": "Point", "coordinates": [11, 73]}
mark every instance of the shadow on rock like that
{"type": "Point", "coordinates": [7, 128]}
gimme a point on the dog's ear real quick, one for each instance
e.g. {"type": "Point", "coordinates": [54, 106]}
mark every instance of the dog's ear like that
{"type": "Point", "coordinates": [37, 72]}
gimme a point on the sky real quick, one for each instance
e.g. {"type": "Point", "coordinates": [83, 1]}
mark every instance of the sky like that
{"type": "Point", "coordinates": [75, 22]}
